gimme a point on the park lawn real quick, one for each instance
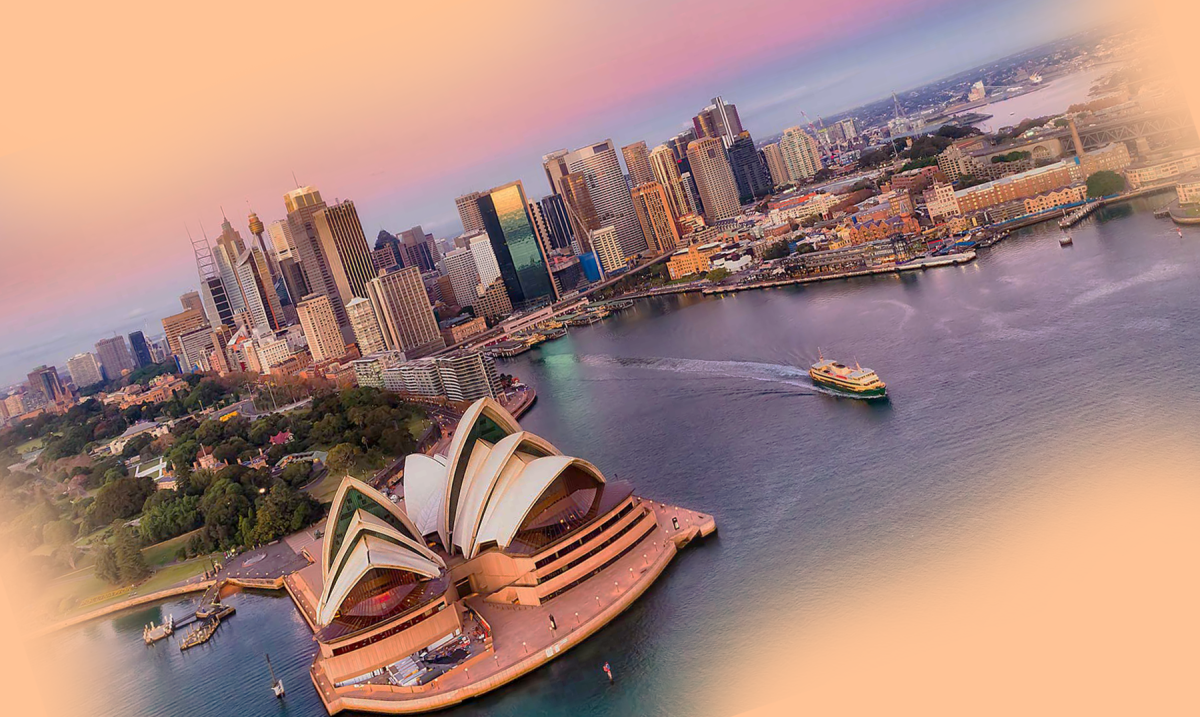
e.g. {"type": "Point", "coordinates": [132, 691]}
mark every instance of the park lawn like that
{"type": "Point", "coordinates": [31, 445]}
{"type": "Point", "coordinates": [85, 585]}
{"type": "Point", "coordinates": [417, 426]}
{"type": "Point", "coordinates": [163, 553]}
{"type": "Point", "coordinates": [326, 488]}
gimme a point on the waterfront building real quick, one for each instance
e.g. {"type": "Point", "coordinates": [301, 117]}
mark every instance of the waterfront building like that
{"type": "Point", "coordinates": [114, 356]}
{"type": "Point", "coordinates": [1188, 192]}
{"type": "Point", "coordinates": [468, 212]}
{"type": "Point", "coordinates": [404, 312]}
{"type": "Point", "coordinates": [654, 214]}
{"type": "Point", "coordinates": [1112, 157]}
{"type": "Point", "coordinates": [178, 324]}
{"type": "Point", "coordinates": [468, 375]}
{"type": "Point", "coordinates": [320, 326]}
{"type": "Point", "coordinates": [140, 349]}
{"type": "Point", "coordinates": [940, 202]}
{"type": "Point", "coordinates": [637, 161]}
{"type": "Point", "coordinates": [365, 324]}
{"type": "Point", "coordinates": [1162, 169]}
{"type": "Point", "coordinates": [1016, 186]}
{"type": "Point", "coordinates": [694, 259]}
{"type": "Point", "coordinates": [718, 120]}
{"type": "Point", "coordinates": [666, 172]}
{"type": "Point", "coordinates": [714, 179]}
{"type": "Point", "coordinates": [519, 254]}
{"type": "Point", "coordinates": [801, 155]}
{"type": "Point", "coordinates": [608, 191]}
{"type": "Point", "coordinates": [1054, 199]}
{"type": "Point", "coordinates": [749, 172]}
{"type": "Point", "coordinates": [84, 370]}
{"type": "Point", "coordinates": [607, 245]}
{"type": "Point", "coordinates": [303, 204]}
{"type": "Point", "coordinates": [692, 193]}
{"type": "Point", "coordinates": [504, 516]}
{"type": "Point", "coordinates": [420, 378]}
{"type": "Point", "coordinates": [461, 328]}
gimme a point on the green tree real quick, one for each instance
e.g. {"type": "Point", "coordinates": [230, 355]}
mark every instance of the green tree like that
{"type": "Point", "coordinates": [342, 457]}
{"type": "Point", "coordinates": [59, 532]}
{"type": "Point", "coordinates": [1105, 183]}
{"type": "Point", "coordinates": [106, 565]}
{"type": "Point", "coordinates": [717, 274]}
{"type": "Point", "coordinates": [131, 564]}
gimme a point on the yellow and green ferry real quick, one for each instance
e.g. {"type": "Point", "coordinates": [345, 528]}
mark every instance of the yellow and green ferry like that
{"type": "Point", "coordinates": [858, 381]}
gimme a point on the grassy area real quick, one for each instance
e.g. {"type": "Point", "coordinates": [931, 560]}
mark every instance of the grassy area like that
{"type": "Point", "coordinates": [83, 584]}
{"type": "Point", "coordinates": [32, 444]}
{"type": "Point", "coordinates": [417, 426]}
{"type": "Point", "coordinates": [162, 553]}
{"type": "Point", "coordinates": [326, 488]}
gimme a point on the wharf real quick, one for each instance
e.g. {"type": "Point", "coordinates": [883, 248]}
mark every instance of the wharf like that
{"type": "Point", "coordinates": [204, 632]}
{"type": "Point", "coordinates": [922, 263]}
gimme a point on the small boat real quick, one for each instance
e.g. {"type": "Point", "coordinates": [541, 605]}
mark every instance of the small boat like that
{"type": "Point", "coordinates": [1179, 232]}
{"type": "Point", "coordinates": [276, 683]}
{"type": "Point", "coordinates": [858, 381]}
{"type": "Point", "coordinates": [1065, 240]}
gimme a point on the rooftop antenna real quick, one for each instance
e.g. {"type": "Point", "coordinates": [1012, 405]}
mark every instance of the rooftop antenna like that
{"type": "Point", "coordinates": [206, 266]}
{"type": "Point", "coordinates": [297, 181]}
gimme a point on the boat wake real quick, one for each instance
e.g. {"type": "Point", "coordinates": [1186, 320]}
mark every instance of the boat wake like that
{"type": "Point", "coordinates": [793, 376]}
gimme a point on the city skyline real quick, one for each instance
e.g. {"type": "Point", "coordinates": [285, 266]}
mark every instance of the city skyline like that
{"type": "Point", "coordinates": [151, 218]}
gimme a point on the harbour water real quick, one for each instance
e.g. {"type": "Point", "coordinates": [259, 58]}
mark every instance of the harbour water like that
{"type": "Point", "coordinates": [704, 402]}
{"type": "Point", "coordinates": [1053, 98]}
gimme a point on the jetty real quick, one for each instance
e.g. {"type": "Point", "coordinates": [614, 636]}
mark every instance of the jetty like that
{"type": "Point", "coordinates": [153, 633]}
{"type": "Point", "coordinates": [203, 632]}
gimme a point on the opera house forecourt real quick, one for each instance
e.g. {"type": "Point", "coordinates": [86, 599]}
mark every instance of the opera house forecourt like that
{"type": "Point", "coordinates": [501, 555]}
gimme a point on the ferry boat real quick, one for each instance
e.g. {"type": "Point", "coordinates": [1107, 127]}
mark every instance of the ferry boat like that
{"type": "Point", "coordinates": [857, 381]}
{"type": "Point", "coordinates": [1065, 240]}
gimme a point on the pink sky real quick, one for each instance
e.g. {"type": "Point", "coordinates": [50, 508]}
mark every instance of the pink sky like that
{"type": "Point", "coordinates": [130, 124]}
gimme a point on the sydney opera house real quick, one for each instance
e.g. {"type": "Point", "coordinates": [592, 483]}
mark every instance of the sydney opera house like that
{"type": "Point", "coordinates": [501, 554]}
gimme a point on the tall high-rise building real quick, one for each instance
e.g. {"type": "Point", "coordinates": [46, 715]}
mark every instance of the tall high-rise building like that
{"type": "Point", "coordinates": [84, 370]}
{"type": "Point", "coordinates": [216, 301]}
{"type": "Point", "coordinates": [321, 328]}
{"type": "Point", "coordinates": [637, 161]}
{"type": "Point", "coordinates": [555, 166]}
{"type": "Point", "coordinates": [191, 300]}
{"type": "Point", "coordinates": [609, 192]}
{"type": "Point", "coordinates": [577, 200]}
{"type": "Point", "coordinates": [714, 179]}
{"type": "Point", "coordinates": [718, 120]}
{"type": "Point", "coordinates": [258, 229]}
{"type": "Point", "coordinates": [666, 172]}
{"type": "Point", "coordinates": [365, 324]}
{"type": "Point", "coordinates": [258, 294]}
{"type": "Point", "coordinates": [607, 246]}
{"type": "Point", "coordinates": [464, 278]}
{"type": "Point", "coordinates": [693, 194]}
{"type": "Point", "coordinates": [468, 375]}
{"type": "Point", "coordinates": [302, 204]}
{"type": "Point", "coordinates": [493, 303]}
{"type": "Point", "coordinates": [679, 144]}
{"type": "Point", "coordinates": [801, 155]}
{"type": "Point", "coordinates": [558, 221]}
{"type": "Point", "coordinates": [405, 316]}
{"type": "Point", "coordinates": [772, 157]}
{"type": "Point", "coordinates": [196, 348]}
{"type": "Point", "coordinates": [486, 265]}
{"type": "Point", "coordinates": [114, 356]}
{"type": "Point", "coordinates": [226, 253]}
{"type": "Point", "coordinates": [654, 214]}
{"type": "Point", "coordinates": [141, 349]}
{"type": "Point", "coordinates": [182, 323]}
{"type": "Point", "coordinates": [277, 231]}
{"type": "Point", "coordinates": [748, 170]}
{"type": "Point", "coordinates": [540, 229]}
{"type": "Point", "coordinates": [468, 212]}
{"type": "Point", "coordinates": [420, 249]}
{"type": "Point", "coordinates": [45, 382]}
{"type": "Point", "coordinates": [509, 227]}
{"type": "Point", "coordinates": [849, 129]}
{"type": "Point", "coordinates": [345, 247]}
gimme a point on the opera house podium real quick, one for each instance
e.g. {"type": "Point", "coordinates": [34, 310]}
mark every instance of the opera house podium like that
{"type": "Point", "coordinates": [502, 554]}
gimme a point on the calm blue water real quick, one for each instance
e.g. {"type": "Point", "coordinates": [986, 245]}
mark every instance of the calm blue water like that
{"type": "Point", "coordinates": [705, 403]}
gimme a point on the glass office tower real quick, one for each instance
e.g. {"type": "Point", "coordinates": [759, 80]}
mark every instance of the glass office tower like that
{"type": "Point", "coordinates": [523, 267]}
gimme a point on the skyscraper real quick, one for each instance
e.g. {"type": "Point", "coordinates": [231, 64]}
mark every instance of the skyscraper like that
{"type": "Point", "coordinates": [773, 158]}
{"type": "Point", "coordinates": [191, 300]}
{"type": "Point", "coordinates": [801, 156]}
{"type": "Point", "coordinates": [540, 229]}
{"type": "Point", "coordinates": [654, 214]}
{"type": "Point", "coordinates": [182, 323]}
{"type": "Point", "coordinates": [679, 144]}
{"type": "Point", "coordinates": [321, 328]}
{"type": "Point", "coordinates": [216, 301]}
{"type": "Point", "coordinates": [718, 120]}
{"type": "Point", "coordinates": [258, 294]}
{"type": "Point", "coordinates": [420, 249]}
{"type": "Point", "coordinates": [302, 205]}
{"type": "Point", "coordinates": [141, 350]}
{"type": "Point", "coordinates": [748, 170]}
{"type": "Point", "coordinates": [464, 278]}
{"type": "Point", "coordinates": [365, 324]}
{"type": "Point", "coordinates": [609, 192]}
{"type": "Point", "coordinates": [226, 253]}
{"type": "Point", "coordinates": [714, 179]}
{"type": "Point", "coordinates": [45, 382]}
{"type": "Point", "coordinates": [84, 370]}
{"type": "Point", "coordinates": [405, 316]}
{"type": "Point", "coordinates": [666, 172]}
{"type": "Point", "coordinates": [114, 356]}
{"type": "Point", "coordinates": [637, 161]}
{"type": "Point", "coordinates": [558, 221]}
{"type": "Point", "coordinates": [577, 200]}
{"type": "Point", "coordinates": [555, 166]}
{"type": "Point", "coordinates": [468, 212]}
{"type": "Point", "coordinates": [345, 247]}
{"type": "Point", "coordinates": [509, 227]}
{"type": "Point", "coordinates": [608, 248]}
